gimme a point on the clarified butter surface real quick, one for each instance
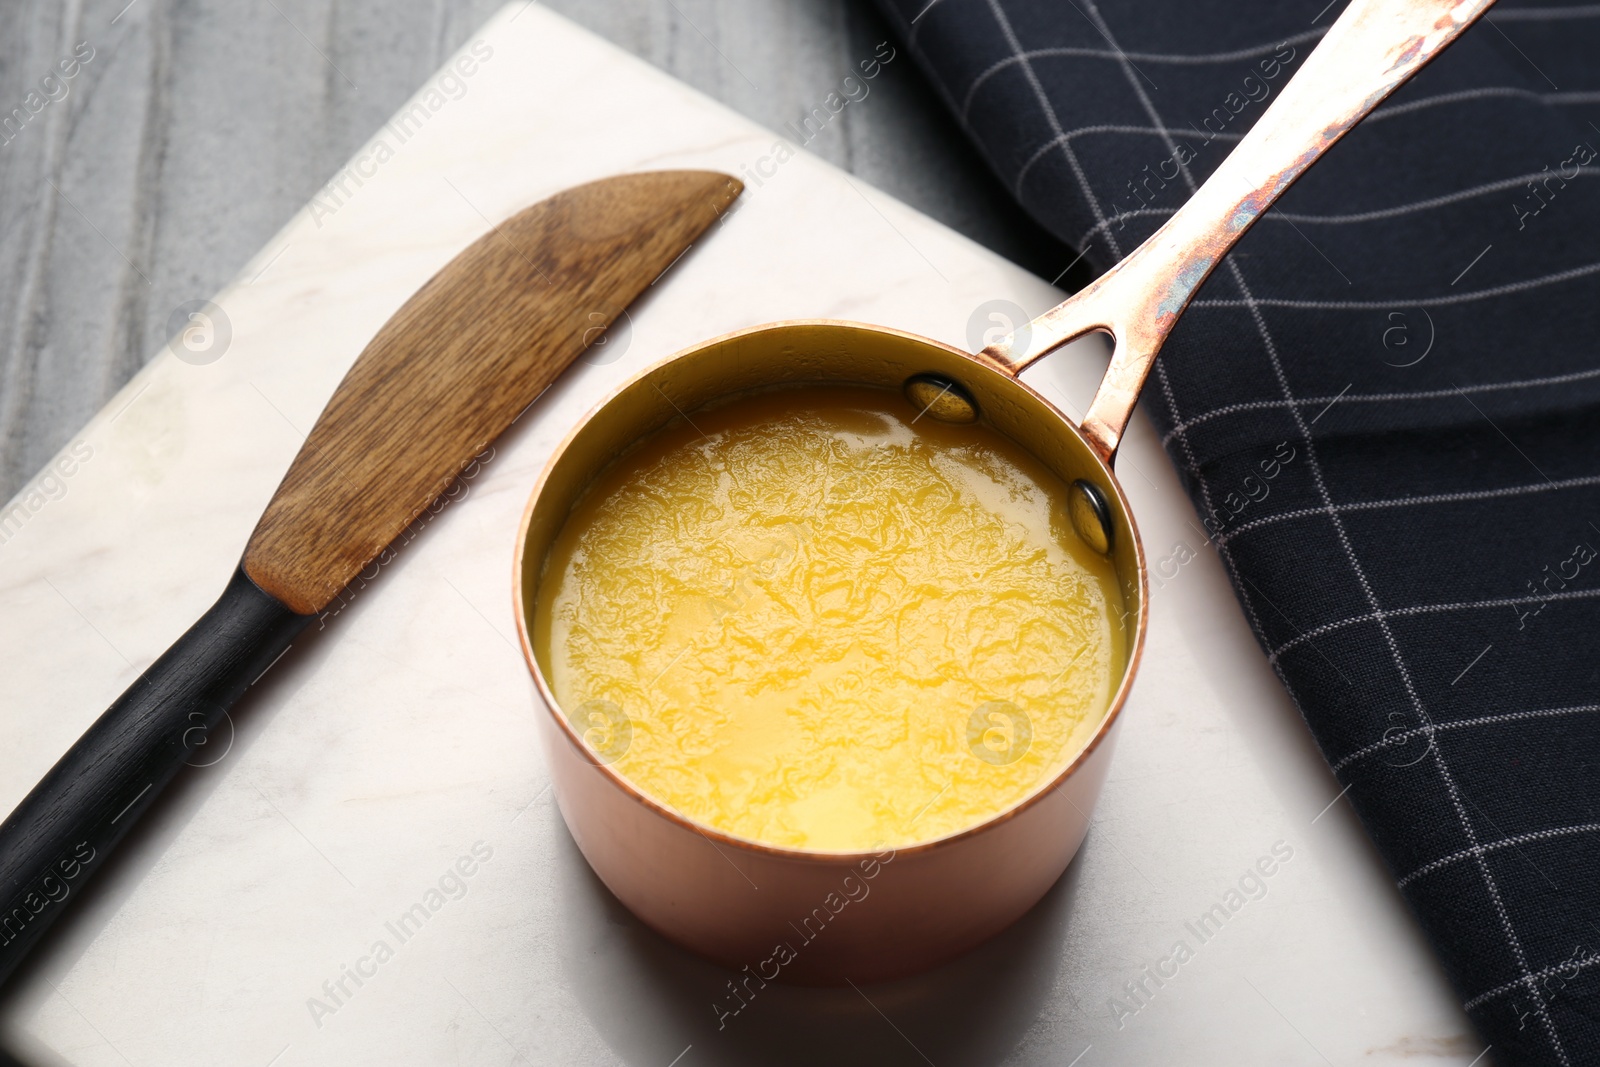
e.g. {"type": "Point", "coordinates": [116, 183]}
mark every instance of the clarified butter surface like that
{"type": "Point", "coordinates": [815, 620]}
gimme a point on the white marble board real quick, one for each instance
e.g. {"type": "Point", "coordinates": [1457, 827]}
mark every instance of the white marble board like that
{"type": "Point", "coordinates": [383, 748]}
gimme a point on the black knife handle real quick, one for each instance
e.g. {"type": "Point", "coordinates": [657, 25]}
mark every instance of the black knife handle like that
{"type": "Point", "coordinates": [63, 831]}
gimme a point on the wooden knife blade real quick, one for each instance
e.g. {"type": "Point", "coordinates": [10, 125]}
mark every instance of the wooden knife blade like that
{"type": "Point", "coordinates": [459, 361]}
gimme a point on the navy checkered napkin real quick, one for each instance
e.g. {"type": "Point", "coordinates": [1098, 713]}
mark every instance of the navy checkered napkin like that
{"type": "Point", "coordinates": [1385, 405]}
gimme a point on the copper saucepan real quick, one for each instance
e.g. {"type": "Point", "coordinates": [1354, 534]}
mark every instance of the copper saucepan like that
{"type": "Point", "coordinates": [815, 916]}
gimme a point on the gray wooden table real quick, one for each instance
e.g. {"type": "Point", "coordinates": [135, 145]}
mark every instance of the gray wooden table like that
{"type": "Point", "coordinates": [191, 131]}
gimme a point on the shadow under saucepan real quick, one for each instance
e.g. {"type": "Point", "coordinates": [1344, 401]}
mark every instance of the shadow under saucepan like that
{"type": "Point", "coordinates": [652, 1001]}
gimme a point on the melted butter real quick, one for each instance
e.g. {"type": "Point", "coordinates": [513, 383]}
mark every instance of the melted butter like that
{"type": "Point", "coordinates": [814, 620]}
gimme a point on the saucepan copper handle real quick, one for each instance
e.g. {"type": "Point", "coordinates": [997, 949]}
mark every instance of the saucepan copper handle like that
{"type": "Point", "coordinates": [1367, 54]}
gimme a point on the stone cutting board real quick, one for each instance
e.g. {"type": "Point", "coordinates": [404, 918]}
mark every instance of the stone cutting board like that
{"type": "Point", "coordinates": [242, 923]}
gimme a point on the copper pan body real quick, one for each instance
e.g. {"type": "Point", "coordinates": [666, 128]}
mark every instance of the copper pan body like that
{"type": "Point", "coordinates": [829, 917]}
{"type": "Point", "coordinates": [845, 915]}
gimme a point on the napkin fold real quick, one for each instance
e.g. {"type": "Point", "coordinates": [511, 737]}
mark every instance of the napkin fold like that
{"type": "Point", "coordinates": [1385, 406]}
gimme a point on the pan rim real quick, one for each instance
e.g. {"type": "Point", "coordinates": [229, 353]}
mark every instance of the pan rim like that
{"type": "Point", "coordinates": [836, 857]}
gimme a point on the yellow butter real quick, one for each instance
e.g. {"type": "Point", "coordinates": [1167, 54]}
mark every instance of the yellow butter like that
{"type": "Point", "coordinates": [812, 619]}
